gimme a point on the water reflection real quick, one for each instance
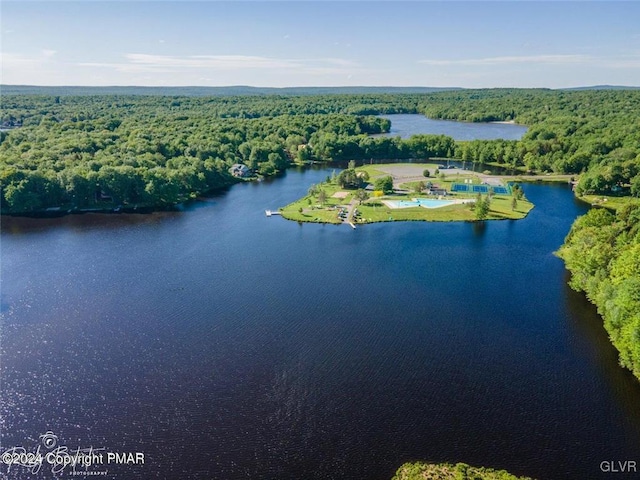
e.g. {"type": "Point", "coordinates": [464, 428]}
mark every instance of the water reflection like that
{"type": "Point", "coordinates": [593, 342]}
{"type": "Point", "coordinates": [84, 221]}
{"type": "Point", "coordinates": [479, 229]}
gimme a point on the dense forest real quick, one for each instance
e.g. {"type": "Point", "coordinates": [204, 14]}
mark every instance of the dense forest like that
{"type": "Point", "coordinates": [82, 151]}
{"type": "Point", "coordinates": [93, 151]}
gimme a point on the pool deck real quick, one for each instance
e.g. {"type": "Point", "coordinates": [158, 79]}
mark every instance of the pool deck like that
{"type": "Point", "coordinates": [394, 203]}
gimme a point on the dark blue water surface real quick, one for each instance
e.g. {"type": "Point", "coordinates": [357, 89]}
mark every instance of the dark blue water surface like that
{"type": "Point", "coordinates": [224, 344]}
{"type": "Point", "coordinates": [405, 125]}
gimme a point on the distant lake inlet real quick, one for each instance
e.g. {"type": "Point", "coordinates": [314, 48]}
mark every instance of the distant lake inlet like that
{"type": "Point", "coordinates": [405, 125]}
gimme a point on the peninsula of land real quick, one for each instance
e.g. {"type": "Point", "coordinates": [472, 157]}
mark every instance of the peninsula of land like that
{"type": "Point", "coordinates": [407, 192]}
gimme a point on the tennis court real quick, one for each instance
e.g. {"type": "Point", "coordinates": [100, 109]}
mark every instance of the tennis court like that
{"type": "Point", "coordinates": [466, 188]}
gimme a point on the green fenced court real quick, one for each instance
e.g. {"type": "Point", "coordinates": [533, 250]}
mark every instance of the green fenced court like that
{"type": "Point", "coordinates": [466, 188]}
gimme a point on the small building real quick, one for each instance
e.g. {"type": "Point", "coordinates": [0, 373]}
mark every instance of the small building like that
{"type": "Point", "coordinates": [436, 191]}
{"type": "Point", "coordinates": [240, 170]}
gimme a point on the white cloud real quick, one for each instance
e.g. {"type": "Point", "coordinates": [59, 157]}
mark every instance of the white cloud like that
{"type": "Point", "coordinates": [609, 62]}
{"type": "Point", "coordinates": [19, 61]}
{"type": "Point", "coordinates": [540, 59]}
{"type": "Point", "coordinates": [624, 61]}
{"type": "Point", "coordinates": [22, 68]}
{"type": "Point", "coordinates": [339, 62]}
{"type": "Point", "coordinates": [142, 62]}
{"type": "Point", "coordinates": [218, 62]}
{"type": "Point", "coordinates": [13, 60]}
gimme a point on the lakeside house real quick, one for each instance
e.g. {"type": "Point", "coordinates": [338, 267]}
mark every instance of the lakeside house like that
{"type": "Point", "coordinates": [240, 170]}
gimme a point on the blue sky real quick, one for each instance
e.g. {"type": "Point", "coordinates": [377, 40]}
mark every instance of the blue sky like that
{"type": "Point", "coordinates": [320, 43]}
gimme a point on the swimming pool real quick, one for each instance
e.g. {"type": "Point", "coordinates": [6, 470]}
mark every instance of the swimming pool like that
{"type": "Point", "coordinates": [419, 202]}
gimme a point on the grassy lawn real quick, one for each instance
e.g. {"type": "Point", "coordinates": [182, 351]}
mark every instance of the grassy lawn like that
{"type": "Point", "coordinates": [313, 216]}
{"type": "Point", "coordinates": [501, 208]}
{"type": "Point", "coordinates": [371, 170]}
{"type": "Point", "coordinates": [379, 170]}
{"type": "Point", "coordinates": [372, 212]}
{"type": "Point", "coordinates": [519, 168]}
{"type": "Point", "coordinates": [612, 203]}
{"type": "Point", "coordinates": [313, 210]}
{"type": "Point", "coordinates": [542, 178]}
{"type": "Point", "coordinates": [375, 211]}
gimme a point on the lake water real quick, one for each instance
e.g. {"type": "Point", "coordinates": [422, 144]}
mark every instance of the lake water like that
{"type": "Point", "coordinates": [224, 344]}
{"type": "Point", "coordinates": [405, 125]}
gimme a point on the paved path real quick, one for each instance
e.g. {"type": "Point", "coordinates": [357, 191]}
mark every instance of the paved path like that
{"type": "Point", "coordinates": [350, 209]}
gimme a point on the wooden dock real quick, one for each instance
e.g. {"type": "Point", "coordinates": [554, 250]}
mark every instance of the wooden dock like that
{"type": "Point", "coordinates": [268, 213]}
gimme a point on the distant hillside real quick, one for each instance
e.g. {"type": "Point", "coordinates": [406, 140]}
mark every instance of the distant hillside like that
{"type": "Point", "coordinates": [603, 87]}
{"type": "Point", "coordinates": [244, 90]}
{"type": "Point", "coordinates": [210, 91]}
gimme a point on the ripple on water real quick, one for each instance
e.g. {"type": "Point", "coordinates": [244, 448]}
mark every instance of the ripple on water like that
{"type": "Point", "coordinates": [224, 344]}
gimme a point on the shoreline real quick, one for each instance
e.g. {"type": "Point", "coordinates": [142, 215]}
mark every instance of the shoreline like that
{"type": "Point", "coordinates": [393, 206]}
{"type": "Point", "coordinates": [58, 212]}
